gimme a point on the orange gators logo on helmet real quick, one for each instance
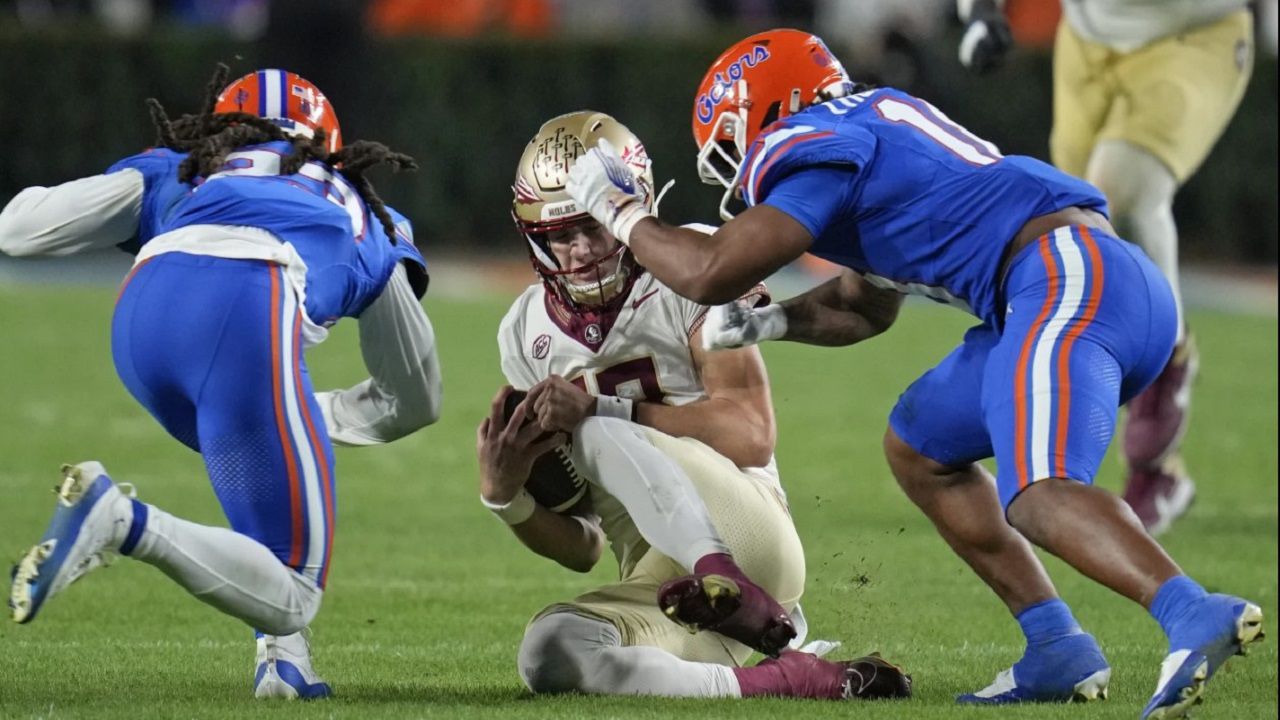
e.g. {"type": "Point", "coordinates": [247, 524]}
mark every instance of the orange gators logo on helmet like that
{"type": "Point", "coordinates": [286, 99]}
{"type": "Point", "coordinates": [722, 82]}
{"type": "Point", "coordinates": [767, 76]}
{"type": "Point", "coordinates": [758, 80]}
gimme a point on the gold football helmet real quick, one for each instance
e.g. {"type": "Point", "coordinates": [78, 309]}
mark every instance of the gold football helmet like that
{"type": "Point", "coordinates": [541, 205]}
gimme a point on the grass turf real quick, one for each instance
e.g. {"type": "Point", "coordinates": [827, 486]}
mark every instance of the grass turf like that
{"type": "Point", "coordinates": [428, 595]}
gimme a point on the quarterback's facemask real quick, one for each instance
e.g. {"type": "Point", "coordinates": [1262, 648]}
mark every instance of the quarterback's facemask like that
{"type": "Point", "coordinates": [761, 79]}
{"type": "Point", "coordinates": [540, 204]}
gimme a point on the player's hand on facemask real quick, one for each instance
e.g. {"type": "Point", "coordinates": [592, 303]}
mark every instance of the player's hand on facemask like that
{"type": "Point", "coordinates": [987, 39]}
{"type": "Point", "coordinates": [735, 325]}
{"type": "Point", "coordinates": [506, 451]}
{"type": "Point", "coordinates": [559, 405]}
{"type": "Point", "coordinates": [605, 187]}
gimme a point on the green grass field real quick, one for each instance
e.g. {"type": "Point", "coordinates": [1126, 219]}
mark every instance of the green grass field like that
{"type": "Point", "coordinates": [429, 595]}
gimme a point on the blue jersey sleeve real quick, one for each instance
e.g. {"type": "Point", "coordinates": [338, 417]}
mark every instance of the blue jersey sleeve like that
{"type": "Point", "coordinates": [406, 251]}
{"type": "Point", "coordinates": [161, 191]}
{"type": "Point", "coordinates": [816, 197]}
{"type": "Point", "coordinates": [791, 146]}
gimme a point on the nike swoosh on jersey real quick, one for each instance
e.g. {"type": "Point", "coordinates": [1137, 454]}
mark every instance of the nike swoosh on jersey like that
{"type": "Point", "coordinates": [636, 303]}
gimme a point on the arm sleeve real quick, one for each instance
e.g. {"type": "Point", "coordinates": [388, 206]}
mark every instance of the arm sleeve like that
{"type": "Point", "coordinates": [95, 212]}
{"type": "Point", "coordinates": [403, 392]}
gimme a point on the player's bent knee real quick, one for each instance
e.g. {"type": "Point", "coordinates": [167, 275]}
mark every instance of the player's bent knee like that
{"type": "Point", "coordinates": [296, 612]}
{"type": "Point", "coordinates": [905, 461]}
{"type": "Point", "coordinates": [550, 659]}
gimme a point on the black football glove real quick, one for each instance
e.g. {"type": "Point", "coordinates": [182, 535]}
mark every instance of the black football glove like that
{"type": "Point", "coordinates": [987, 39]}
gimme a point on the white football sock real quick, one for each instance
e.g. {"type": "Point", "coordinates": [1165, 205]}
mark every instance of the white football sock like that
{"type": "Point", "coordinates": [1140, 190]}
{"type": "Point", "coordinates": [232, 572]}
{"type": "Point", "coordinates": [658, 495]}
{"type": "Point", "coordinates": [565, 652]}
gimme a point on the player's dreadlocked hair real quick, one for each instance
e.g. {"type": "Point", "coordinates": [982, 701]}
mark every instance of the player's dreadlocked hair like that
{"type": "Point", "coordinates": [209, 137]}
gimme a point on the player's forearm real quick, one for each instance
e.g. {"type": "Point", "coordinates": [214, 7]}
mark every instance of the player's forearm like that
{"type": "Point", "coordinates": [95, 212]}
{"type": "Point", "coordinates": [832, 315]}
{"type": "Point", "coordinates": [573, 542]}
{"type": "Point", "coordinates": [727, 427]}
{"type": "Point", "coordinates": [697, 266]}
{"type": "Point", "coordinates": [403, 392]}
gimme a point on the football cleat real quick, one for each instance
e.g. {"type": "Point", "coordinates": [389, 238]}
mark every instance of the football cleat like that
{"type": "Point", "coordinates": [1067, 669]}
{"type": "Point", "coordinates": [90, 519]}
{"type": "Point", "coordinates": [1218, 627]}
{"type": "Point", "coordinates": [284, 669]}
{"type": "Point", "coordinates": [738, 609]}
{"type": "Point", "coordinates": [1161, 494]}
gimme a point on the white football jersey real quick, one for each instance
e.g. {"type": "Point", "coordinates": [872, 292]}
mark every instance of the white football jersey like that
{"type": "Point", "coordinates": [641, 353]}
{"type": "Point", "coordinates": [1126, 25]}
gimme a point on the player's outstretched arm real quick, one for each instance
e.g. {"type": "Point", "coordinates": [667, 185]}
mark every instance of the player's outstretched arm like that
{"type": "Point", "coordinates": [506, 454]}
{"type": "Point", "coordinates": [842, 311]}
{"type": "Point", "coordinates": [708, 269]}
{"type": "Point", "coordinates": [403, 392]}
{"type": "Point", "coordinates": [95, 212]}
{"type": "Point", "coordinates": [717, 268]}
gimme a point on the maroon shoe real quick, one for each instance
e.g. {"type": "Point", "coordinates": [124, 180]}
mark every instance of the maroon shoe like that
{"type": "Point", "coordinates": [734, 607]}
{"type": "Point", "coordinates": [802, 675]}
{"type": "Point", "coordinates": [1158, 415]}
{"type": "Point", "coordinates": [1160, 494]}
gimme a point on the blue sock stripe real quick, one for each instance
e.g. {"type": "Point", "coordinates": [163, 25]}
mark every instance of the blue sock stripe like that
{"type": "Point", "coordinates": [135, 528]}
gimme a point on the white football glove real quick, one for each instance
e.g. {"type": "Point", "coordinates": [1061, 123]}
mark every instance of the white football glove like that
{"type": "Point", "coordinates": [735, 325]}
{"type": "Point", "coordinates": [602, 184]}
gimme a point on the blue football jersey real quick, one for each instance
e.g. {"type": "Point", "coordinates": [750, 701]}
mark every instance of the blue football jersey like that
{"type": "Point", "coordinates": [349, 256]}
{"type": "Point", "coordinates": [161, 191]}
{"type": "Point", "coordinates": [892, 188]}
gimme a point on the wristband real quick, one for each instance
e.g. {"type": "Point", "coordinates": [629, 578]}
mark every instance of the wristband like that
{"type": "Point", "coordinates": [514, 512]}
{"type": "Point", "coordinates": [615, 407]}
{"type": "Point", "coordinates": [625, 221]}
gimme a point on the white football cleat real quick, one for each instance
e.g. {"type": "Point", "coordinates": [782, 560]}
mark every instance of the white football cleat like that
{"type": "Point", "coordinates": [284, 669]}
{"type": "Point", "coordinates": [91, 518]}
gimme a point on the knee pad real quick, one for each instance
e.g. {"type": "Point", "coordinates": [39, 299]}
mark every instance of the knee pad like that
{"type": "Point", "coordinates": [556, 652]}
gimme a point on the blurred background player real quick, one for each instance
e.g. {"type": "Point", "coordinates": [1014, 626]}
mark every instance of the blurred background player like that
{"type": "Point", "coordinates": [677, 445]}
{"type": "Point", "coordinates": [1141, 92]}
{"type": "Point", "coordinates": [1074, 322]}
{"type": "Point", "coordinates": [255, 230]}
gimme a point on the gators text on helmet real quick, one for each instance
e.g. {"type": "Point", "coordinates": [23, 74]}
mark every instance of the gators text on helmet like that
{"type": "Point", "coordinates": [765, 77]}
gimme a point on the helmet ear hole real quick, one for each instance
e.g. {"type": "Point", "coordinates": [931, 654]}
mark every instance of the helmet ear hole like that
{"type": "Point", "coordinates": [771, 115]}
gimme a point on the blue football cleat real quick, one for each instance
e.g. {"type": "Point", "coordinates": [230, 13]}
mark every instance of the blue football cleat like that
{"type": "Point", "coordinates": [1219, 626]}
{"type": "Point", "coordinates": [87, 525]}
{"type": "Point", "coordinates": [1068, 669]}
{"type": "Point", "coordinates": [284, 669]}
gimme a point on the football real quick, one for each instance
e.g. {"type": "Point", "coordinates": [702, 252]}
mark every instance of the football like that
{"type": "Point", "coordinates": [553, 481]}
